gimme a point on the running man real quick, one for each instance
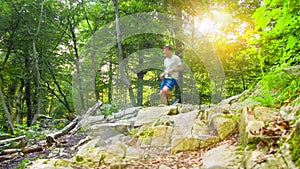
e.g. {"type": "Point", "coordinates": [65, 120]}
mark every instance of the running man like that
{"type": "Point", "coordinates": [173, 66]}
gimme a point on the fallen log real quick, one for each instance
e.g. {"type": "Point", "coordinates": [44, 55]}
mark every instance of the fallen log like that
{"type": "Point", "coordinates": [8, 157]}
{"type": "Point", "coordinates": [72, 127]}
{"type": "Point", "coordinates": [51, 138]}
{"type": "Point", "coordinates": [10, 151]}
{"type": "Point", "coordinates": [24, 150]}
{"type": "Point", "coordinates": [2, 142]}
{"type": "Point", "coordinates": [90, 112]}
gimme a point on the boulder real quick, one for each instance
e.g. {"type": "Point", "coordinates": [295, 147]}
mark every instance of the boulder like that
{"type": "Point", "coordinates": [158, 136]}
{"type": "Point", "coordinates": [108, 130]}
{"type": "Point", "coordinates": [192, 143]}
{"type": "Point", "coordinates": [239, 106]}
{"type": "Point", "coordinates": [223, 156]}
{"type": "Point", "coordinates": [289, 112]}
{"type": "Point", "coordinates": [264, 113]}
{"type": "Point", "coordinates": [161, 136]}
{"type": "Point", "coordinates": [223, 125]}
{"type": "Point", "coordinates": [184, 108]}
{"type": "Point", "coordinates": [259, 160]}
{"type": "Point", "coordinates": [183, 124]}
{"type": "Point", "coordinates": [134, 154]}
{"type": "Point", "coordinates": [173, 110]}
{"type": "Point", "coordinates": [149, 115]}
{"type": "Point", "coordinates": [199, 128]}
{"type": "Point", "coordinates": [253, 127]}
{"type": "Point", "coordinates": [247, 126]}
{"type": "Point", "coordinates": [251, 159]}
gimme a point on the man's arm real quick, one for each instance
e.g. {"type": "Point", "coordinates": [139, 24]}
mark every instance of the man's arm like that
{"type": "Point", "coordinates": [179, 68]}
{"type": "Point", "coordinates": [162, 75]}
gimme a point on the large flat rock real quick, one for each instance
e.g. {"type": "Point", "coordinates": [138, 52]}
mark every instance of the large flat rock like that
{"type": "Point", "coordinates": [223, 156]}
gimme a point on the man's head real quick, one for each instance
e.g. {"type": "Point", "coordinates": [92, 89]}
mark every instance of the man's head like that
{"type": "Point", "coordinates": [168, 51]}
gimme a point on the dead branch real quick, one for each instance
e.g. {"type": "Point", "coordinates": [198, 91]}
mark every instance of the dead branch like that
{"type": "Point", "coordinates": [72, 127]}
{"type": "Point", "coordinates": [51, 138]}
{"type": "Point", "coordinates": [9, 151]}
{"type": "Point", "coordinates": [2, 142]}
{"type": "Point", "coordinates": [90, 112]}
{"type": "Point", "coordinates": [24, 150]}
{"type": "Point", "coordinates": [8, 157]}
{"type": "Point", "coordinates": [81, 142]}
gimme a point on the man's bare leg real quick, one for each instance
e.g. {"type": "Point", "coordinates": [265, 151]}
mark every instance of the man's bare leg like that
{"type": "Point", "coordinates": [164, 93]}
{"type": "Point", "coordinates": [163, 97]}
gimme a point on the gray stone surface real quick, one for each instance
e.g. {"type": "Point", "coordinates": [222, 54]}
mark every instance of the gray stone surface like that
{"type": "Point", "coordinates": [161, 136]}
{"type": "Point", "coordinates": [223, 156]}
{"type": "Point", "coordinates": [150, 114]}
{"type": "Point", "coordinates": [264, 113]}
{"type": "Point", "coordinates": [223, 125]}
{"type": "Point", "coordinates": [183, 124]}
{"type": "Point", "coordinates": [230, 99]}
{"type": "Point", "coordinates": [184, 108]}
{"type": "Point", "coordinates": [108, 130]}
{"type": "Point", "coordinates": [239, 106]}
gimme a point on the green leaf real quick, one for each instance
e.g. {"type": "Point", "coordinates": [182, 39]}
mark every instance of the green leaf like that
{"type": "Point", "coordinates": [282, 22]}
{"type": "Point", "coordinates": [260, 19]}
{"type": "Point", "coordinates": [291, 42]}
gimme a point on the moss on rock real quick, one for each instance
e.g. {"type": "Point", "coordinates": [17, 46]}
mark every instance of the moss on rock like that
{"type": "Point", "coordinates": [294, 145]}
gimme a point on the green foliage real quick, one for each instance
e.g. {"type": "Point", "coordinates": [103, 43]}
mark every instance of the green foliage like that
{"type": "Point", "coordinates": [277, 87]}
{"type": "Point", "coordinates": [146, 133]}
{"type": "Point", "coordinates": [59, 111]}
{"type": "Point", "coordinates": [32, 132]}
{"type": "Point", "coordinates": [108, 109]}
{"type": "Point", "coordinates": [133, 132]}
{"type": "Point", "coordinates": [277, 22]}
{"type": "Point", "coordinates": [158, 123]}
{"type": "Point", "coordinates": [24, 163]}
{"type": "Point", "coordinates": [234, 117]}
{"type": "Point", "coordinates": [101, 159]}
{"type": "Point", "coordinates": [270, 39]}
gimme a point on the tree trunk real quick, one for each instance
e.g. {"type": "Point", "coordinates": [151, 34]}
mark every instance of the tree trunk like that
{"type": "Point", "coordinates": [7, 113]}
{"type": "Point", "coordinates": [93, 30]}
{"type": "Point", "coordinates": [140, 80]}
{"type": "Point", "coordinates": [27, 94]}
{"type": "Point", "coordinates": [110, 74]}
{"type": "Point", "coordinates": [37, 79]}
{"type": "Point", "coordinates": [121, 57]}
{"type": "Point", "coordinates": [19, 113]}
{"type": "Point", "coordinates": [37, 76]}
{"type": "Point", "coordinates": [78, 72]}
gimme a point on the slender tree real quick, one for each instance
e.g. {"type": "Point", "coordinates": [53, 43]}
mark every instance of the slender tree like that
{"type": "Point", "coordinates": [121, 57]}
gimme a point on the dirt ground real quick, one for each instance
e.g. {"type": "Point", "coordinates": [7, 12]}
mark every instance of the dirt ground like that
{"type": "Point", "coordinates": [67, 142]}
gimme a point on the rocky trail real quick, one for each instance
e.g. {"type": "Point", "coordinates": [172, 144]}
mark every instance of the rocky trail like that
{"type": "Point", "coordinates": [239, 132]}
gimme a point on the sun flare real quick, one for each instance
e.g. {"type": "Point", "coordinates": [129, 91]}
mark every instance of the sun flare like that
{"type": "Point", "coordinates": [212, 23]}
